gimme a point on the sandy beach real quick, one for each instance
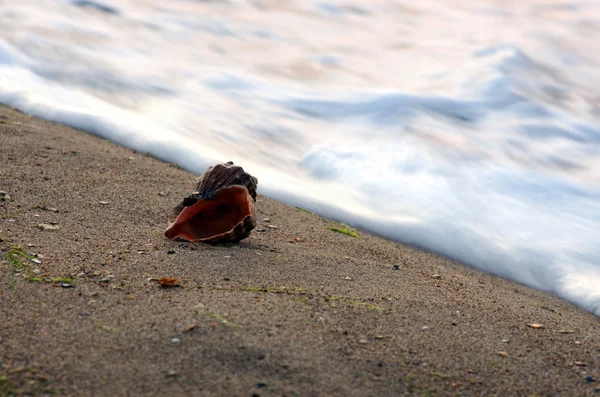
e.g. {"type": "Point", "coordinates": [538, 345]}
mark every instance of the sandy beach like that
{"type": "Point", "coordinates": [297, 309]}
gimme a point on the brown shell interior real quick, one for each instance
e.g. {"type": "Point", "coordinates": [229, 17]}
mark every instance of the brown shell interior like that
{"type": "Point", "coordinates": [208, 219]}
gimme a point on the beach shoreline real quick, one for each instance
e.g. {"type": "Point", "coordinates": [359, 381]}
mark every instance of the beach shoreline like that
{"type": "Point", "coordinates": [296, 309]}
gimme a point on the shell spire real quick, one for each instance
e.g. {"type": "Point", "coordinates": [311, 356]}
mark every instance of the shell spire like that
{"type": "Point", "coordinates": [219, 176]}
{"type": "Point", "coordinates": [221, 209]}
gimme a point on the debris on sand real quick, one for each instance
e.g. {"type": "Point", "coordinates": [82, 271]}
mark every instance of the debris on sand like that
{"type": "Point", "coordinates": [535, 325]}
{"type": "Point", "coordinates": [168, 282]}
{"type": "Point", "coordinates": [46, 226]}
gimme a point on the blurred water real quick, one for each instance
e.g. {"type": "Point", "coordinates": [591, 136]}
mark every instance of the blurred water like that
{"type": "Point", "coordinates": [470, 128]}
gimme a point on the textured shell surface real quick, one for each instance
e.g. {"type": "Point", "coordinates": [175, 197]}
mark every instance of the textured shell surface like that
{"type": "Point", "coordinates": [215, 178]}
{"type": "Point", "coordinates": [219, 176]}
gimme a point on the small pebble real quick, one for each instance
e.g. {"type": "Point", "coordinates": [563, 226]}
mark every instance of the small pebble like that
{"type": "Point", "coordinates": [103, 202]}
{"type": "Point", "coordinates": [36, 260]}
{"type": "Point", "coordinates": [347, 278]}
{"type": "Point", "coordinates": [66, 285]}
{"type": "Point", "coordinates": [260, 229]}
{"type": "Point", "coordinates": [577, 342]}
{"type": "Point", "coordinates": [172, 374]}
{"type": "Point", "coordinates": [271, 226]}
{"type": "Point", "coordinates": [45, 226]}
{"type": "Point", "coordinates": [425, 328]}
{"type": "Point", "coordinates": [505, 341]}
{"type": "Point", "coordinates": [176, 341]}
{"type": "Point", "coordinates": [436, 276]}
{"type": "Point", "coordinates": [396, 267]}
{"type": "Point", "coordinates": [535, 325]}
{"type": "Point", "coordinates": [170, 252]}
{"type": "Point", "coordinates": [36, 271]}
{"type": "Point", "coordinates": [589, 379]}
{"type": "Point", "coordinates": [267, 220]}
{"type": "Point", "coordinates": [36, 215]}
{"type": "Point", "coordinates": [362, 341]}
{"type": "Point", "coordinates": [227, 256]}
{"type": "Point", "coordinates": [503, 354]}
{"type": "Point", "coordinates": [162, 194]}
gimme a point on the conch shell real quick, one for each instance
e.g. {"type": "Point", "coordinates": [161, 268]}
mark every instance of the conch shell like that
{"type": "Point", "coordinates": [220, 210]}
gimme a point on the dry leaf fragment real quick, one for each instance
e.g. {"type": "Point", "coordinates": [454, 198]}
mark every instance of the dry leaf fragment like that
{"type": "Point", "coordinates": [535, 325]}
{"type": "Point", "coordinates": [168, 282]}
{"type": "Point", "coordinates": [503, 354]}
{"type": "Point", "coordinates": [580, 364]}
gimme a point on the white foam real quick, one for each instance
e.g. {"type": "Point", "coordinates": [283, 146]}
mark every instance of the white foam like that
{"type": "Point", "coordinates": [480, 143]}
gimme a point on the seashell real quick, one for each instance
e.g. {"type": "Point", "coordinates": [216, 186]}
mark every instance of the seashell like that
{"type": "Point", "coordinates": [220, 210]}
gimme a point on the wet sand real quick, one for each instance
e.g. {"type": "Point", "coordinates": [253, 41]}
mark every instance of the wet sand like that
{"type": "Point", "coordinates": [295, 310]}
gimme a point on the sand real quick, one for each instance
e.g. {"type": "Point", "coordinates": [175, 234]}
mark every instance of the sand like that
{"type": "Point", "coordinates": [295, 310]}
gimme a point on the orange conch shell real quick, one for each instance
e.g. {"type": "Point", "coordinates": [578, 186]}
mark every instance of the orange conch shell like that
{"type": "Point", "coordinates": [220, 210]}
